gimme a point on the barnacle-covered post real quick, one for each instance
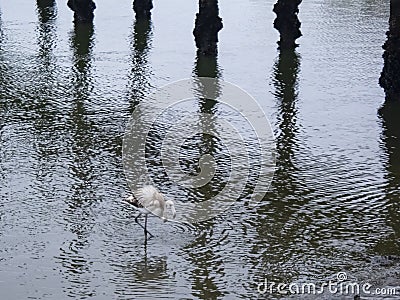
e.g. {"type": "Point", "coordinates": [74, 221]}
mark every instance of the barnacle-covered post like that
{"type": "Point", "coordinates": [142, 8]}
{"type": "Point", "coordinates": [207, 25]}
{"type": "Point", "coordinates": [287, 22]}
{"type": "Point", "coordinates": [390, 79]}
{"type": "Point", "coordinates": [83, 10]}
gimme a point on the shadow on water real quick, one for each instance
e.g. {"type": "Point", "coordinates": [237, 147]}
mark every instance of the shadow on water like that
{"type": "Point", "coordinates": [389, 114]}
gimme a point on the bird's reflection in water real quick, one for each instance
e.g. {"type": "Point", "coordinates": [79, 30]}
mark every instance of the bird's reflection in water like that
{"type": "Point", "coordinates": [148, 268]}
{"type": "Point", "coordinates": [134, 272]}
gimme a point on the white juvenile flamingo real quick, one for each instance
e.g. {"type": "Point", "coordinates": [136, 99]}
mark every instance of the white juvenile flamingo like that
{"type": "Point", "coordinates": [148, 199]}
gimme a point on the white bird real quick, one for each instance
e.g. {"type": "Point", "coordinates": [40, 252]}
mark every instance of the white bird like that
{"type": "Point", "coordinates": [148, 199]}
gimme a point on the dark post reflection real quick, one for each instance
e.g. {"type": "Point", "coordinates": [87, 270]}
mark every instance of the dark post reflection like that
{"type": "Point", "coordinates": [286, 182]}
{"type": "Point", "coordinates": [81, 127]}
{"type": "Point", "coordinates": [207, 66]}
{"type": "Point", "coordinates": [140, 70]}
{"type": "Point", "coordinates": [206, 263]}
{"type": "Point", "coordinates": [78, 214]}
{"type": "Point", "coordinates": [389, 115]}
{"type": "Point", "coordinates": [47, 13]}
{"type": "Point", "coordinates": [285, 81]}
{"type": "Point", "coordinates": [46, 113]}
{"type": "Point", "coordinates": [208, 266]}
{"type": "Point", "coordinates": [1, 31]}
{"type": "Point", "coordinates": [82, 44]}
{"type": "Point", "coordinates": [3, 62]}
{"type": "Point", "coordinates": [139, 85]}
{"type": "Point", "coordinates": [285, 193]}
{"type": "Point", "coordinates": [3, 79]}
{"type": "Point", "coordinates": [203, 143]}
{"type": "Point", "coordinates": [140, 74]}
{"type": "Point", "coordinates": [46, 9]}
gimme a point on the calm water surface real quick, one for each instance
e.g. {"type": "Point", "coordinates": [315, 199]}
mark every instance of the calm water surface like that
{"type": "Point", "coordinates": [66, 95]}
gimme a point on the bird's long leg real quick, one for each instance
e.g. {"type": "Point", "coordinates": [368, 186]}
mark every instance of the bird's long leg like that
{"type": "Point", "coordinates": [145, 227]}
{"type": "Point", "coordinates": [137, 221]}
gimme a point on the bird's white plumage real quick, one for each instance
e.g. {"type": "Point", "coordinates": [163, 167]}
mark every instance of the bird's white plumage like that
{"type": "Point", "coordinates": [151, 200]}
{"type": "Point", "coordinates": [148, 199]}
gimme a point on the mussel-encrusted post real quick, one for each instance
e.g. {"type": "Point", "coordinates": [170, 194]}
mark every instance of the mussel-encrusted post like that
{"type": "Point", "coordinates": [390, 76]}
{"type": "Point", "coordinates": [207, 25]}
{"type": "Point", "coordinates": [142, 8]}
{"type": "Point", "coordinates": [83, 10]}
{"type": "Point", "coordinates": [287, 23]}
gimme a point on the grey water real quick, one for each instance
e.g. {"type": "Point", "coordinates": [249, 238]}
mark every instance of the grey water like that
{"type": "Point", "coordinates": [66, 96]}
